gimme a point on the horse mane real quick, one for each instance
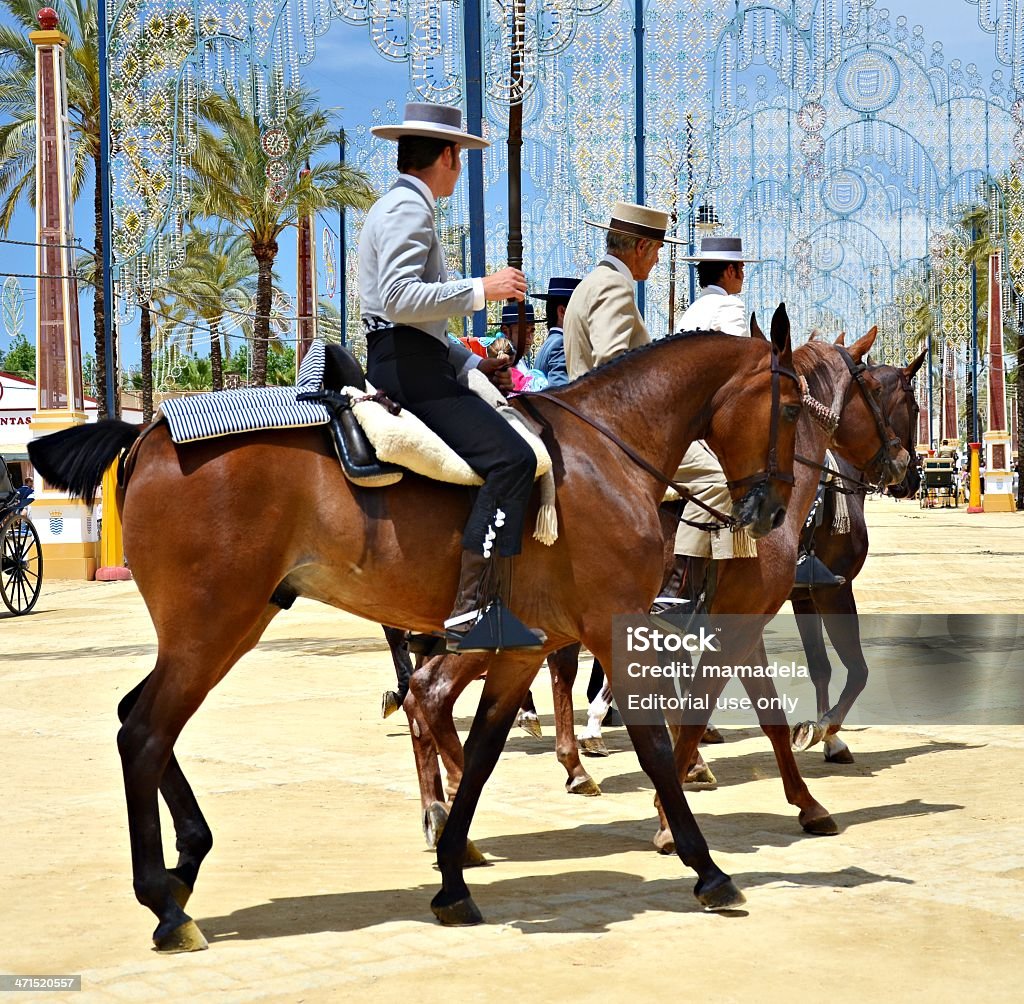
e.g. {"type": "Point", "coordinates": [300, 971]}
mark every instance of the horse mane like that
{"type": "Point", "coordinates": [813, 362]}
{"type": "Point", "coordinates": [623, 357]}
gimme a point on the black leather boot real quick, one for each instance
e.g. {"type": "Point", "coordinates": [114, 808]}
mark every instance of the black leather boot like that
{"type": "Point", "coordinates": [480, 621]}
{"type": "Point", "coordinates": [813, 573]}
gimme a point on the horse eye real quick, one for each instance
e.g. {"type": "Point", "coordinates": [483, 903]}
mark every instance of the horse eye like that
{"type": "Point", "coordinates": [791, 412]}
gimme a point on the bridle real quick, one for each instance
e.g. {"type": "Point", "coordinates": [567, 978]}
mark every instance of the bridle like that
{"type": "Point", "coordinates": [882, 460]}
{"type": "Point", "coordinates": [758, 482]}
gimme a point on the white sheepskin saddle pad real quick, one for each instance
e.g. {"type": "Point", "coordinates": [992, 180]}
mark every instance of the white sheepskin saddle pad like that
{"type": "Point", "coordinates": [404, 440]}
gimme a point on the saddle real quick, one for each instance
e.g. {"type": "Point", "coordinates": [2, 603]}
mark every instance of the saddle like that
{"type": "Point", "coordinates": [377, 440]}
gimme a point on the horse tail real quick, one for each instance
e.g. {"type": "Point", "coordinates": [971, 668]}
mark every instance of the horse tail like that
{"type": "Point", "coordinates": [76, 459]}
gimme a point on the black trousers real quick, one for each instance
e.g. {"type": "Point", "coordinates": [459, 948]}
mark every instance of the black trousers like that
{"type": "Point", "coordinates": [413, 369]}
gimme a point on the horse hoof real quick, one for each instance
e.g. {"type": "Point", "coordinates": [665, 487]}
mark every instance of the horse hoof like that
{"type": "Point", "coordinates": [699, 777]}
{"type": "Point", "coordinates": [461, 913]}
{"type": "Point", "coordinates": [186, 938]}
{"type": "Point", "coordinates": [724, 896]}
{"type": "Point", "coordinates": [663, 842]}
{"type": "Point", "coordinates": [593, 747]}
{"type": "Point", "coordinates": [584, 785]}
{"type": "Point", "coordinates": [179, 890]}
{"type": "Point", "coordinates": [805, 735]}
{"type": "Point", "coordinates": [712, 736]}
{"type": "Point", "coordinates": [473, 857]}
{"type": "Point", "coordinates": [840, 756]}
{"type": "Point", "coordinates": [389, 703]}
{"type": "Point", "coordinates": [823, 827]}
{"type": "Point", "coordinates": [434, 820]}
{"type": "Point", "coordinates": [529, 722]}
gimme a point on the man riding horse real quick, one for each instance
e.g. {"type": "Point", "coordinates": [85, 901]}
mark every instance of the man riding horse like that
{"type": "Point", "coordinates": [406, 299]}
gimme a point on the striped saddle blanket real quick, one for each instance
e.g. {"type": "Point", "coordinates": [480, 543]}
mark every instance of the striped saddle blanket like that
{"type": "Point", "coordinates": [250, 409]}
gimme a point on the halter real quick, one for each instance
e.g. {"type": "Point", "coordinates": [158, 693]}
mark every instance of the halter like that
{"type": "Point", "coordinates": [758, 482]}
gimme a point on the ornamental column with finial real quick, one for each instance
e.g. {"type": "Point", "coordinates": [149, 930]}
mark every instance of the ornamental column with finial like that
{"type": "Point", "coordinates": [67, 528]}
{"type": "Point", "coordinates": [306, 282]}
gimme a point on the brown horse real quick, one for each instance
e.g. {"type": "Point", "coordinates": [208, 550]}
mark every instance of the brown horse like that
{"type": "Point", "coordinates": [391, 555]}
{"type": "Point", "coordinates": [435, 686]}
{"type": "Point", "coordinates": [835, 610]}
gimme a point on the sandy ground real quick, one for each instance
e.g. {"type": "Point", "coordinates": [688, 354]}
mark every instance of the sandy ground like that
{"type": "Point", "coordinates": [319, 882]}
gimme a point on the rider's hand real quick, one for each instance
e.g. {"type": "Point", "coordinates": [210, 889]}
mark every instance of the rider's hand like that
{"type": "Point", "coordinates": [497, 371]}
{"type": "Point", "coordinates": [507, 284]}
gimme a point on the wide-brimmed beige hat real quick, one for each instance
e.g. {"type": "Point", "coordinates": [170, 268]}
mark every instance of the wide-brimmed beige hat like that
{"type": "Point", "coordinates": [434, 122]}
{"type": "Point", "coordinates": [725, 249]}
{"type": "Point", "coordinates": [637, 221]}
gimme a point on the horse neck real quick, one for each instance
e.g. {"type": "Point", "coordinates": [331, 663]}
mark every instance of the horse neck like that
{"type": "Point", "coordinates": [828, 381]}
{"type": "Point", "coordinates": [661, 399]}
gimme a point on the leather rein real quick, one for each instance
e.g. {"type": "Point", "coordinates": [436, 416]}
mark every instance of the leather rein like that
{"type": "Point", "coordinates": [757, 482]}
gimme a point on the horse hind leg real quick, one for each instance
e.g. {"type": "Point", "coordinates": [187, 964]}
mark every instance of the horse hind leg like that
{"type": "Point", "coordinates": [563, 666]}
{"type": "Point", "coordinates": [193, 838]}
{"type": "Point", "coordinates": [154, 715]}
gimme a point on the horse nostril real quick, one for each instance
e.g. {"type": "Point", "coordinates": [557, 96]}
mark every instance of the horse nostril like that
{"type": "Point", "coordinates": [777, 519]}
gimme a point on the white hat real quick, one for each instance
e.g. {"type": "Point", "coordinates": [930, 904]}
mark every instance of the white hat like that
{"type": "Point", "coordinates": [638, 221]}
{"type": "Point", "coordinates": [721, 249]}
{"type": "Point", "coordinates": [434, 122]}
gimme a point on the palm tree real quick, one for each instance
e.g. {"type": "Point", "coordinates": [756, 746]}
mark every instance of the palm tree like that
{"type": "Point", "coordinates": [231, 184]}
{"type": "Point", "coordinates": [218, 276]}
{"type": "Point", "coordinates": [18, 135]}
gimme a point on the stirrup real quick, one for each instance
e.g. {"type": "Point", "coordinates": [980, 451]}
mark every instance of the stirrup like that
{"type": "Point", "coordinates": [813, 573]}
{"type": "Point", "coordinates": [673, 614]}
{"type": "Point", "coordinates": [496, 628]}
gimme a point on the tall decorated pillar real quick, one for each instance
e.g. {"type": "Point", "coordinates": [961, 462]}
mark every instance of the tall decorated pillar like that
{"type": "Point", "coordinates": [950, 426]}
{"type": "Point", "coordinates": [67, 528]}
{"type": "Point", "coordinates": [998, 476]}
{"type": "Point", "coordinates": [305, 285]}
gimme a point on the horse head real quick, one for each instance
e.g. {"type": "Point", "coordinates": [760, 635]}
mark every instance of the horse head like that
{"type": "Point", "coordinates": [901, 407]}
{"type": "Point", "coordinates": [866, 419]}
{"type": "Point", "coordinates": [767, 398]}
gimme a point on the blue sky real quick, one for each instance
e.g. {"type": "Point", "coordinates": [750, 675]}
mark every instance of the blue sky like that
{"type": "Point", "coordinates": [349, 74]}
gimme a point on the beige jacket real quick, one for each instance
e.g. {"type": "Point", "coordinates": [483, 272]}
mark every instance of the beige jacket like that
{"type": "Point", "coordinates": [602, 320]}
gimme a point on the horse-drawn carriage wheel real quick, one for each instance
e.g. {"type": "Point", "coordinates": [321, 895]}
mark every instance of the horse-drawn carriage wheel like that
{"type": "Point", "coordinates": [21, 564]}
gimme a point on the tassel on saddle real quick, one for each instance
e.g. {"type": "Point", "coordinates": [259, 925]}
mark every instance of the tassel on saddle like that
{"type": "Point", "coordinates": [357, 456]}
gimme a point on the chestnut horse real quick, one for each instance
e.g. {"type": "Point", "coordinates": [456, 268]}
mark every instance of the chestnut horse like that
{"type": "Point", "coordinates": [835, 610]}
{"type": "Point", "coordinates": [435, 686]}
{"type": "Point", "coordinates": [391, 555]}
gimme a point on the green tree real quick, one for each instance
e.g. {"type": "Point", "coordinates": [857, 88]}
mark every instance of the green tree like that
{"type": "Point", "coordinates": [218, 276]}
{"type": "Point", "coordinates": [231, 184]}
{"type": "Point", "coordinates": [18, 133]}
{"type": "Point", "coordinates": [20, 358]}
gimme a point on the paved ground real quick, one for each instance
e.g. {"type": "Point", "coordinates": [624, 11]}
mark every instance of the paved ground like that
{"type": "Point", "coordinates": [318, 885]}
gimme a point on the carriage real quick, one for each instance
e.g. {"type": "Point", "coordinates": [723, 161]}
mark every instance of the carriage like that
{"type": "Point", "coordinates": [939, 482]}
{"type": "Point", "coordinates": [21, 557]}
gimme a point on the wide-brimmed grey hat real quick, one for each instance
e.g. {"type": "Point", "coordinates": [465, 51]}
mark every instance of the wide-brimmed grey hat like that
{"type": "Point", "coordinates": [434, 122]}
{"type": "Point", "coordinates": [637, 221]}
{"type": "Point", "coordinates": [725, 249]}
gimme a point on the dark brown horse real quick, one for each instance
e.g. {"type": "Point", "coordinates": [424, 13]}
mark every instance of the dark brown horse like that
{"type": "Point", "coordinates": [436, 685]}
{"type": "Point", "coordinates": [835, 610]}
{"type": "Point", "coordinates": [391, 555]}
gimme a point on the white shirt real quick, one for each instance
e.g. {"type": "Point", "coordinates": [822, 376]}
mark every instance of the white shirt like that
{"type": "Point", "coordinates": [716, 310]}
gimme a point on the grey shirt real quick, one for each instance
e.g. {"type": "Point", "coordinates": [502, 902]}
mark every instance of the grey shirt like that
{"type": "Point", "coordinates": [403, 277]}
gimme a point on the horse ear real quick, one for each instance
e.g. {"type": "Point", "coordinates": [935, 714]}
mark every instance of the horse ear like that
{"type": "Point", "coordinates": [860, 348]}
{"type": "Point", "coordinates": [910, 371]}
{"type": "Point", "coordinates": [841, 340]}
{"type": "Point", "coordinates": [815, 335]}
{"type": "Point", "coordinates": [780, 329]}
{"type": "Point", "coordinates": [755, 328]}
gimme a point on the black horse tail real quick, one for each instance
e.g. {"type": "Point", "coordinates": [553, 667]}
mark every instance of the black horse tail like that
{"type": "Point", "coordinates": [76, 459]}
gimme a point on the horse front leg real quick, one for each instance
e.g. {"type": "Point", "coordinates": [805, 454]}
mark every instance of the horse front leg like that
{"type": "Point", "coordinates": [814, 817]}
{"type": "Point", "coordinates": [843, 629]}
{"type": "Point", "coordinates": [563, 666]}
{"type": "Point", "coordinates": [434, 688]}
{"type": "Point", "coordinates": [509, 674]}
{"type": "Point", "coordinates": [808, 621]}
